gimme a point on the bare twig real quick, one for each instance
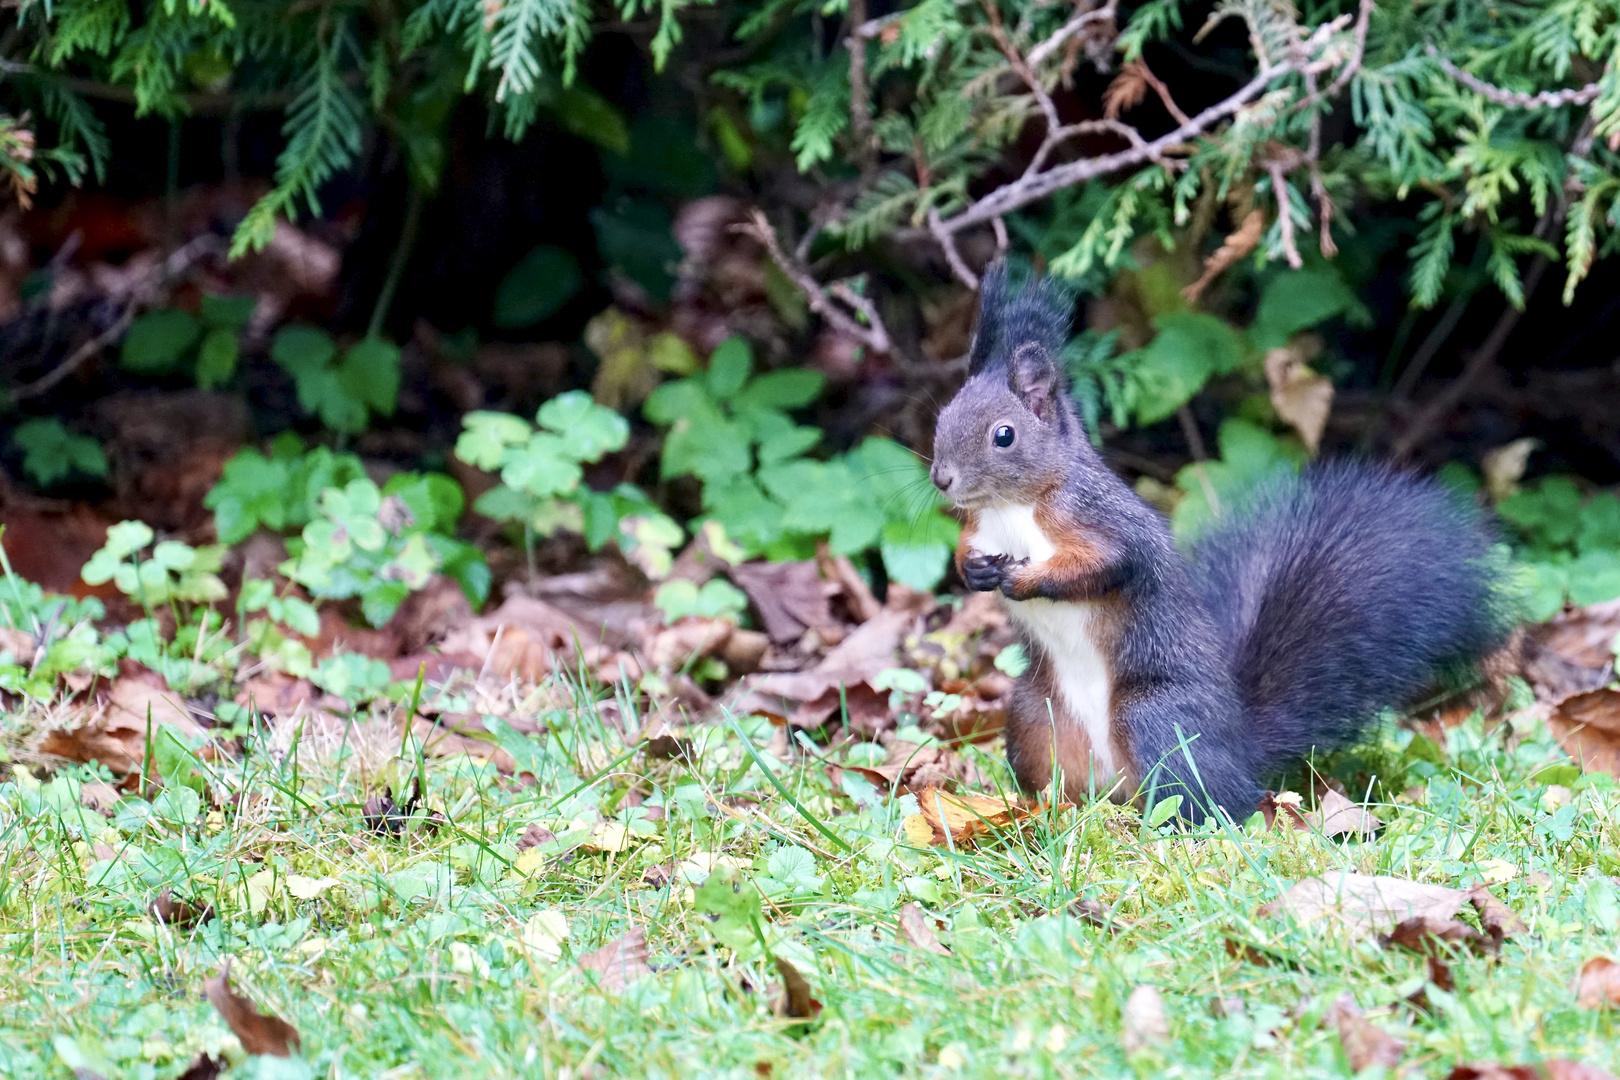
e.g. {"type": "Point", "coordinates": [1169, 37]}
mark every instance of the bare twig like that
{"type": "Point", "coordinates": [142, 295]}
{"type": "Point", "coordinates": [873, 335]}
{"type": "Point", "coordinates": [1285, 212]}
{"type": "Point", "coordinates": [947, 243]}
{"type": "Point", "coordinates": [1016, 60]}
{"type": "Point", "coordinates": [1195, 446]}
{"type": "Point", "coordinates": [1358, 49]}
{"type": "Point", "coordinates": [1032, 187]}
{"type": "Point", "coordinates": [1546, 99]}
{"type": "Point", "coordinates": [860, 112]}
{"type": "Point", "coordinates": [1163, 91]}
{"type": "Point", "coordinates": [1040, 53]}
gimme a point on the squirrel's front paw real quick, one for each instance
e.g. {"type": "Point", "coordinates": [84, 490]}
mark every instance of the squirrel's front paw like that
{"type": "Point", "coordinates": [984, 573]}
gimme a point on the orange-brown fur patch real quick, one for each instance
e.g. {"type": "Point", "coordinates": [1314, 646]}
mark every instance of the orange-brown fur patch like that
{"type": "Point", "coordinates": [964, 539]}
{"type": "Point", "coordinates": [1041, 732]}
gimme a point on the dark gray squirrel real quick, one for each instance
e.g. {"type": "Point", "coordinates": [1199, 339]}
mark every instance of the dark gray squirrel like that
{"type": "Point", "coordinates": [1328, 596]}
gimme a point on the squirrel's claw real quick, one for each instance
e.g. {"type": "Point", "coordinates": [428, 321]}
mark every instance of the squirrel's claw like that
{"type": "Point", "coordinates": [984, 573]}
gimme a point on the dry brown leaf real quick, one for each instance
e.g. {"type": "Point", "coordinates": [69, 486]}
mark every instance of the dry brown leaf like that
{"type": "Point", "coordinates": [203, 1067]}
{"type": "Point", "coordinates": [383, 815]}
{"type": "Point", "coordinates": [915, 931]}
{"type": "Point", "coordinates": [259, 1033]}
{"type": "Point", "coordinates": [1588, 727]}
{"type": "Point", "coordinates": [1496, 917]}
{"type": "Point", "coordinates": [1363, 903]}
{"type": "Point", "coordinates": [688, 640]}
{"type": "Point", "coordinates": [1302, 398]}
{"type": "Point", "coordinates": [809, 697]}
{"type": "Point", "coordinates": [1145, 1024]}
{"type": "Point", "coordinates": [1336, 815]}
{"type": "Point", "coordinates": [441, 740]}
{"type": "Point", "coordinates": [958, 819]}
{"type": "Point", "coordinates": [789, 596]}
{"type": "Point", "coordinates": [1599, 984]}
{"type": "Point", "coordinates": [1423, 934]}
{"type": "Point", "coordinates": [1556, 1069]}
{"type": "Point", "coordinates": [178, 913]}
{"type": "Point", "coordinates": [116, 737]}
{"type": "Point", "coordinates": [1504, 467]}
{"type": "Point", "coordinates": [621, 961]}
{"type": "Point", "coordinates": [1284, 805]}
{"type": "Point", "coordinates": [1238, 244]}
{"type": "Point", "coordinates": [101, 797]}
{"type": "Point", "coordinates": [795, 999]}
{"type": "Point", "coordinates": [535, 835]}
{"type": "Point", "coordinates": [1365, 1043]}
{"type": "Point", "coordinates": [1126, 91]}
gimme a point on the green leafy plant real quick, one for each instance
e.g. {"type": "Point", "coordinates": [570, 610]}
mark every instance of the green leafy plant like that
{"type": "Point", "coordinates": [167, 340]}
{"type": "Point", "coordinates": [170, 572]}
{"type": "Point", "coordinates": [52, 453]}
{"type": "Point", "coordinates": [65, 624]}
{"type": "Point", "coordinates": [715, 599]}
{"type": "Point", "coordinates": [268, 636]}
{"type": "Point", "coordinates": [277, 492]}
{"type": "Point", "coordinates": [382, 544]}
{"type": "Point", "coordinates": [343, 391]}
{"type": "Point", "coordinates": [733, 432]}
{"type": "Point", "coordinates": [542, 484]}
{"type": "Point", "coordinates": [1569, 544]}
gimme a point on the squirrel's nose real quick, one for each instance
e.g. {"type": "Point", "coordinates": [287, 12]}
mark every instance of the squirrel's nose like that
{"type": "Point", "coordinates": [943, 478]}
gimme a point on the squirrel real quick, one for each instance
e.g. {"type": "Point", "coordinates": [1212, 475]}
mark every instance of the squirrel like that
{"type": "Point", "coordinates": [1332, 594]}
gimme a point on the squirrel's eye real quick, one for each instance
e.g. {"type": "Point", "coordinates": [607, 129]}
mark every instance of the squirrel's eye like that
{"type": "Point", "coordinates": [1003, 436]}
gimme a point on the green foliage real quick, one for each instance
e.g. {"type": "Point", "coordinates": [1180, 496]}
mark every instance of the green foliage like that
{"type": "Point", "coordinates": [171, 571]}
{"type": "Point", "coordinates": [52, 453]}
{"type": "Point", "coordinates": [542, 474]}
{"type": "Point", "coordinates": [278, 492]}
{"type": "Point", "coordinates": [74, 644]}
{"type": "Point", "coordinates": [1569, 545]}
{"type": "Point", "coordinates": [382, 544]}
{"type": "Point", "coordinates": [716, 599]}
{"type": "Point", "coordinates": [537, 287]}
{"type": "Point", "coordinates": [1249, 456]}
{"type": "Point", "coordinates": [342, 391]}
{"type": "Point", "coordinates": [166, 341]}
{"type": "Point", "coordinates": [733, 432]}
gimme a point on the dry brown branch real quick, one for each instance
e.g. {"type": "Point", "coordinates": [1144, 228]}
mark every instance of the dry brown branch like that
{"type": "Point", "coordinates": [860, 114]}
{"type": "Point", "coordinates": [178, 262]}
{"type": "Point", "coordinates": [1016, 61]}
{"type": "Point", "coordinates": [947, 243]}
{"type": "Point", "coordinates": [873, 335]}
{"type": "Point", "coordinates": [1546, 99]}
{"type": "Point", "coordinates": [1042, 52]}
{"type": "Point", "coordinates": [1285, 212]}
{"type": "Point", "coordinates": [1314, 56]}
{"type": "Point", "coordinates": [1164, 94]}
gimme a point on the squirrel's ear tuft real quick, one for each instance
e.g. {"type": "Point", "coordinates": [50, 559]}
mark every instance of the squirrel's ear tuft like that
{"type": "Point", "coordinates": [1016, 309]}
{"type": "Point", "coordinates": [1036, 380]}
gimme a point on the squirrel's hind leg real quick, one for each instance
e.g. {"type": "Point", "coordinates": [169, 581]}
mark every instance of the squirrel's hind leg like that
{"type": "Point", "coordinates": [1045, 743]}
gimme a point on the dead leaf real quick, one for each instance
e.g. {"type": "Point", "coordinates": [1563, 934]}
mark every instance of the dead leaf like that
{"type": "Point", "coordinates": [1599, 984]}
{"type": "Point", "coordinates": [789, 596]}
{"type": "Point", "coordinates": [1588, 727]}
{"type": "Point", "coordinates": [101, 797]}
{"type": "Point", "coordinates": [203, 1067]}
{"type": "Point", "coordinates": [1504, 467]}
{"type": "Point", "coordinates": [1336, 816]}
{"type": "Point", "coordinates": [1362, 903]}
{"type": "Point", "coordinates": [1283, 804]}
{"type": "Point", "coordinates": [915, 931]}
{"type": "Point", "coordinates": [1422, 934]}
{"type": "Point", "coordinates": [809, 697]}
{"type": "Point", "coordinates": [1096, 912]}
{"type": "Point", "coordinates": [1365, 1043]}
{"type": "Point", "coordinates": [958, 819]}
{"type": "Point", "coordinates": [795, 999]}
{"type": "Point", "coordinates": [259, 1033]}
{"type": "Point", "coordinates": [1439, 973]}
{"type": "Point", "coordinates": [453, 736]}
{"type": "Point", "coordinates": [688, 640]}
{"type": "Point", "coordinates": [383, 815]}
{"type": "Point", "coordinates": [1497, 918]}
{"type": "Point", "coordinates": [621, 961]}
{"type": "Point", "coordinates": [1126, 90]}
{"type": "Point", "coordinates": [1302, 398]}
{"type": "Point", "coordinates": [116, 737]}
{"type": "Point", "coordinates": [1145, 1024]}
{"type": "Point", "coordinates": [1238, 244]}
{"type": "Point", "coordinates": [1556, 1069]}
{"type": "Point", "coordinates": [182, 914]}
{"type": "Point", "coordinates": [535, 835]}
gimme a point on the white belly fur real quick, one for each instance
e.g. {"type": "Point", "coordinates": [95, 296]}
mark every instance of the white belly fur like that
{"type": "Point", "coordinates": [1063, 631]}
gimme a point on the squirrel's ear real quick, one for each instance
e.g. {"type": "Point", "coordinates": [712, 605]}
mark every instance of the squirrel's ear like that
{"type": "Point", "coordinates": [1034, 377]}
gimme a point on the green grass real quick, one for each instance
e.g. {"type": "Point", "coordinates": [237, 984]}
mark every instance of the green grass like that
{"type": "Point", "coordinates": [414, 962]}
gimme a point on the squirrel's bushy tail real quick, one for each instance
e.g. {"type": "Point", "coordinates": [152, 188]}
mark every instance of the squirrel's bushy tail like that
{"type": "Point", "coordinates": [1344, 590]}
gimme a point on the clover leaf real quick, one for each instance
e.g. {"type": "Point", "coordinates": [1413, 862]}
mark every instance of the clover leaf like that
{"type": "Point", "coordinates": [589, 429]}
